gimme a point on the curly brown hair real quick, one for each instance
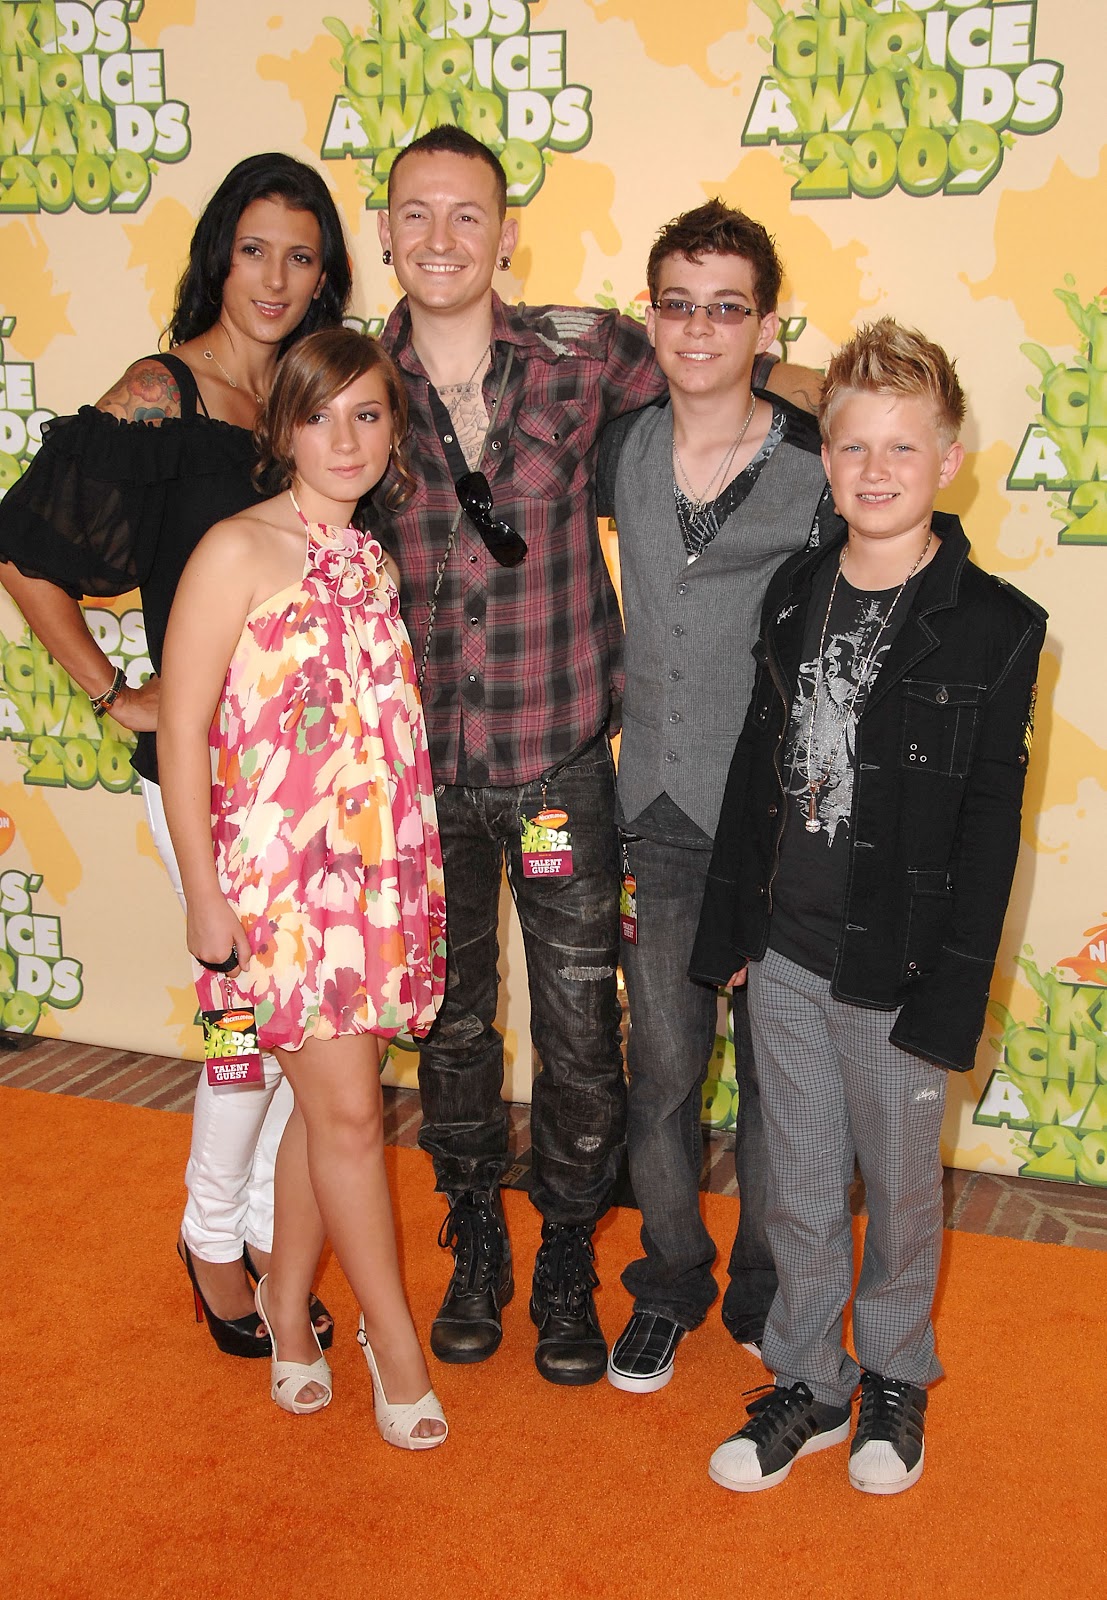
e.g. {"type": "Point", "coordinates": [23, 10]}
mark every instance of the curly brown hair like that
{"type": "Point", "coordinates": [718, 229]}
{"type": "Point", "coordinates": [316, 369]}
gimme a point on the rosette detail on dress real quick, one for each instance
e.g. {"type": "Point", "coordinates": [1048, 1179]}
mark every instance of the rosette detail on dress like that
{"type": "Point", "coordinates": [351, 565]}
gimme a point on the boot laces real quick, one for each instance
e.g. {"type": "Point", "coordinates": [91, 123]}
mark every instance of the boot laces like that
{"type": "Point", "coordinates": [472, 1231]}
{"type": "Point", "coordinates": [565, 1271]}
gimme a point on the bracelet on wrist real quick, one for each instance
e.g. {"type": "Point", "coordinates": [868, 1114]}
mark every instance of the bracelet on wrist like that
{"type": "Point", "coordinates": [102, 702]}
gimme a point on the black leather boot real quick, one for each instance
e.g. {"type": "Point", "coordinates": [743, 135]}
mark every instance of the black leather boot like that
{"type": "Point", "coordinates": [468, 1327]}
{"type": "Point", "coordinates": [571, 1347]}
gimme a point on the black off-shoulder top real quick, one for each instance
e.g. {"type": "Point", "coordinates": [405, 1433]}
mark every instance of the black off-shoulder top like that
{"type": "Point", "coordinates": [109, 506]}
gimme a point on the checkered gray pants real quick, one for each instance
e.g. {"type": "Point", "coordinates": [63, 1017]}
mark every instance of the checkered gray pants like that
{"type": "Point", "coordinates": [833, 1087]}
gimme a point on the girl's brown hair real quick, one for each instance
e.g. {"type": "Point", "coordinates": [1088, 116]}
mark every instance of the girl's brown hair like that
{"type": "Point", "coordinates": [316, 369]}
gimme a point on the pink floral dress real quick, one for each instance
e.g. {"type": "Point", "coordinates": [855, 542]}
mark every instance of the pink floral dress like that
{"type": "Point", "coordinates": [326, 838]}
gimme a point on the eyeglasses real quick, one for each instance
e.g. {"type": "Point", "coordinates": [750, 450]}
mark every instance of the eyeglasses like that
{"type": "Point", "coordinates": [500, 538]}
{"type": "Point", "coordinates": [673, 310]}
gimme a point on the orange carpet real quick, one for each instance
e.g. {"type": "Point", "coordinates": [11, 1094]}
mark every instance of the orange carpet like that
{"type": "Point", "coordinates": [138, 1462]}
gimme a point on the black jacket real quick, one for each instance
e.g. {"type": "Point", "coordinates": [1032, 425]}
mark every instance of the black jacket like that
{"type": "Point", "coordinates": [942, 746]}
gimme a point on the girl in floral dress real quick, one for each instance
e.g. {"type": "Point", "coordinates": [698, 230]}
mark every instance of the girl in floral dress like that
{"type": "Point", "coordinates": [310, 862]}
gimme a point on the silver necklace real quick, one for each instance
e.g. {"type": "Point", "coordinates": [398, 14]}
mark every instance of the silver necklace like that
{"type": "Point", "coordinates": [210, 355]}
{"type": "Point", "coordinates": [463, 388]}
{"type": "Point", "coordinates": [815, 786]}
{"type": "Point", "coordinates": [700, 502]}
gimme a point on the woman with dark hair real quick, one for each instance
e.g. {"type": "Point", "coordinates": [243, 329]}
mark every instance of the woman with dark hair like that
{"type": "Point", "coordinates": [117, 499]}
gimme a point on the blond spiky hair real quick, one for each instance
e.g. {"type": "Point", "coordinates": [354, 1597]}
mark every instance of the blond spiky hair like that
{"type": "Point", "coordinates": [883, 358]}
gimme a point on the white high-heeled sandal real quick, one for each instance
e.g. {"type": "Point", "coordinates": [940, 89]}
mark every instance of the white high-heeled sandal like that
{"type": "Point", "coordinates": [287, 1378]}
{"type": "Point", "coordinates": [397, 1423]}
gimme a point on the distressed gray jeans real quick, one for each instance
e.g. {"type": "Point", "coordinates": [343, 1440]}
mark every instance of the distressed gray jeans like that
{"type": "Point", "coordinates": [570, 928]}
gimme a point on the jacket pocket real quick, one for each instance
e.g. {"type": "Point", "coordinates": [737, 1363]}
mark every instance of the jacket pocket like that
{"type": "Point", "coordinates": [931, 900]}
{"type": "Point", "coordinates": [939, 726]}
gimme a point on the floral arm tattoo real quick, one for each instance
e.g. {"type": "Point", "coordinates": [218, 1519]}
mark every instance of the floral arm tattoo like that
{"type": "Point", "coordinates": [147, 392]}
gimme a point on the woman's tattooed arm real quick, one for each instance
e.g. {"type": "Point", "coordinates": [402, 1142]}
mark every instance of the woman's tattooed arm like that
{"type": "Point", "coordinates": [147, 392]}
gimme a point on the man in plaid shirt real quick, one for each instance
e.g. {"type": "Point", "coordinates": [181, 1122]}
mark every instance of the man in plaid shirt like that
{"type": "Point", "coordinates": [516, 631]}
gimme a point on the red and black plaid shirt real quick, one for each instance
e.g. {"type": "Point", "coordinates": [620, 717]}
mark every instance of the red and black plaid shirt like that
{"type": "Point", "coordinates": [525, 661]}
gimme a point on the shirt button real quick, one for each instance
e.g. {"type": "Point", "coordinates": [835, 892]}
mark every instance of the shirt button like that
{"type": "Point", "coordinates": [447, 438]}
{"type": "Point", "coordinates": [671, 755]}
{"type": "Point", "coordinates": [772, 811]}
{"type": "Point", "coordinates": [674, 676]}
{"type": "Point", "coordinates": [472, 561]}
{"type": "Point", "coordinates": [682, 588]}
{"type": "Point", "coordinates": [674, 716]}
{"type": "Point", "coordinates": [495, 445]}
{"type": "Point", "coordinates": [942, 696]}
{"type": "Point", "coordinates": [472, 677]}
{"type": "Point", "coordinates": [678, 630]}
{"type": "Point", "coordinates": [473, 621]}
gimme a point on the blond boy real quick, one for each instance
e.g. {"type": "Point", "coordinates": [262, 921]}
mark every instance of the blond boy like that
{"type": "Point", "coordinates": [862, 868]}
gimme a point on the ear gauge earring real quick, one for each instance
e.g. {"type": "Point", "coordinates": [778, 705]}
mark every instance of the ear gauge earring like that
{"type": "Point", "coordinates": [386, 257]}
{"type": "Point", "coordinates": [504, 263]}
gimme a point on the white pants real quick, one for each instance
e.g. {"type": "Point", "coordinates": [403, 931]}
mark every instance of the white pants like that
{"type": "Point", "coordinates": [235, 1131]}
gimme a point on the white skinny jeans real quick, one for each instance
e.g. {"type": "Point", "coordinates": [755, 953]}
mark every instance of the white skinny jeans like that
{"type": "Point", "coordinates": [235, 1130]}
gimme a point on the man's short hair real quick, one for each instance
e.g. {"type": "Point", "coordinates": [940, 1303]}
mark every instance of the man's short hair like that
{"type": "Point", "coordinates": [718, 229]}
{"type": "Point", "coordinates": [455, 142]}
{"type": "Point", "coordinates": [884, 358]}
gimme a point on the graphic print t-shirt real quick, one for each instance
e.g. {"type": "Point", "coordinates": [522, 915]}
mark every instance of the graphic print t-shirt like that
{"type": "Point", "coordinates": [810, 883]}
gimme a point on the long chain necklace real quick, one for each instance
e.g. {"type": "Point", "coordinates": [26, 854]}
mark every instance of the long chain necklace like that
{"type": "Point", "coordinates": [699, 509]}
{"type": "Point", "coordinates": [815, 785]}
{"type": "Point", "coordinates": [209, 355]}
{"type": "Point", "coordinates": [699, 502]}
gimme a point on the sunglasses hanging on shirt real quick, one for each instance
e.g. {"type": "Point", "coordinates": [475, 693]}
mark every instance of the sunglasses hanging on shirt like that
{"type": "Point", "coordinates": [504, 544]}
{"type": "Point", "coordinates": [501, 540]}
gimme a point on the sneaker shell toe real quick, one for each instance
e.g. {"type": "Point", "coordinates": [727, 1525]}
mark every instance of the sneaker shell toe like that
{"type": "Point", "coordinates": [877, 1468]}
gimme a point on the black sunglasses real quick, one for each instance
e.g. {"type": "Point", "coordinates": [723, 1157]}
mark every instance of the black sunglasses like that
{"type": "Point", "coordinates": [500, 538]}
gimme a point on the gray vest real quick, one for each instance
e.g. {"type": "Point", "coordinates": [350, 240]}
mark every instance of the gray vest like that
{"type": "Point", "coordinates": [690, 629]}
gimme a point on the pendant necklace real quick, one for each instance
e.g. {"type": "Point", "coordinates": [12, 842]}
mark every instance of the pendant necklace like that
{"type": "Point", "coordinates": [467, 412]}
{"type": "Point", "coordinates": [703, 524]}
{"type": "Point", "coordinates": [209, 355]}
{"type": "Point", "coordinates": [815, 785]}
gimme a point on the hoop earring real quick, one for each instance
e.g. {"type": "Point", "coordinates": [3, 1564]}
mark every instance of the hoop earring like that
{"type": "Point", "coordinates": [504, 263]}
{"type": "Point", "coordinates": [387, 258]}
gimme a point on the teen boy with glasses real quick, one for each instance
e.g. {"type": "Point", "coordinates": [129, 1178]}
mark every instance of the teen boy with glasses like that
{"type": "Point", "coordinates": [710, 491]}
{"type": "Point", "coordinates": [519, 660]}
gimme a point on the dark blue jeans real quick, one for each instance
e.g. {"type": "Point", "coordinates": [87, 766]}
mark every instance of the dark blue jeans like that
{"type": "Point", "coordinates": [672, 1032]}
{"type": "Point", "coordinates": [571, 936]}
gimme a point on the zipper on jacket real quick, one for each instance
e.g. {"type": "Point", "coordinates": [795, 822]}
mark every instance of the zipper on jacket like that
{"type": "Point", "coordinates": [779, 770]}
